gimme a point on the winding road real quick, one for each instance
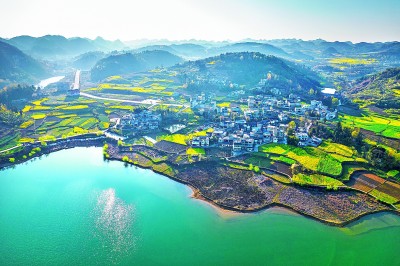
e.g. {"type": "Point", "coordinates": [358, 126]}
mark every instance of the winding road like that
{"type": "Point", "coordinates": [146, 102]}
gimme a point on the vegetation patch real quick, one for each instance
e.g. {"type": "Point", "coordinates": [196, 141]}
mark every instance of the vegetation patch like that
{"type": "Point", "coordinates": [336, 148]}
{"type": "Point", "coordinates": [76, 107]}
{"type": "Point", "coordinates": [195, 151]}
{"type": "Point", "coordinates": [385, 126]}
{"type": "Point", "coordinates": [38, 116]}
{"type": "Point", "coordinates": [383, 197]}
{"type": "Point", "coordinates": [309, 157]}
{"type": "Point", "coordinates": [27, 124]}
{"type": "Point", "coordinates": [316, 179]}
{"type": "Point", "coordinates": [176, 138]}
{"type": "Point", "coordinates": [352, 61]}
{"type": "Point", "coordinates": [393, 173]}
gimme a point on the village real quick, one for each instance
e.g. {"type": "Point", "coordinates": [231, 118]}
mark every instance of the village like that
{"type": "Point", "coordinates": [241, 125]}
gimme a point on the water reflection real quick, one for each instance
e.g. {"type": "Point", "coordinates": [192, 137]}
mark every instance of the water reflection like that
{"type": "Point", "coordinates": [113, 225]}
{"type": "Point", "coordinates": [371, 222]}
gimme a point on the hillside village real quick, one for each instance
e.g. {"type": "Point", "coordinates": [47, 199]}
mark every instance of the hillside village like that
{"type": "Point", "coordinates": [241, 125]}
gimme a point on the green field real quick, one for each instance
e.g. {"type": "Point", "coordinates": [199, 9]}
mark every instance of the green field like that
{"type": "Point", "coordinates": [385, 126]}
{"type": "Point", "coordinates": [319, 180]}
{"type": "Point", "coordinates": [311, 158]}
{"type": "Point", "coordinates": [60, 117]}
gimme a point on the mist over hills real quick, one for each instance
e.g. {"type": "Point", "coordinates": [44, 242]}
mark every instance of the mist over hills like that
{"type": "Point", "coordinates": [57, 47]}
{"type": "Point", "coordinates": [26, 58]}
{"type": "Point", "coordinates": [16, 66]}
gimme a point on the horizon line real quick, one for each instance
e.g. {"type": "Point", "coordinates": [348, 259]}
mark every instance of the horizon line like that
{"type": "Point", "coordinates": [199, 40]}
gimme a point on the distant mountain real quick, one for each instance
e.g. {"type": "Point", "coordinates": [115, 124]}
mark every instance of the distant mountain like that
{"type": "Point", "coordinates": [317, 48]}
{"type": "Point", "coordinates": [87, 60]}
{"type": "Point", "coordinates": [330, 51]}
{"type": "Point", "coordinates": [196, 51]}
{"type": "Point", "coordinates": [185, 50]}
{"type": "Point", "coordinates": [190, 50]}
{"type": "Point", "coordinates": [263, 48]}
{"type": "Point", "coordinates": [246, 68]}
{"type": "Point", "coordinates": [129, 63]}
{"type": "Point", "coordinates": [55, 46]}
{"type": "Point", "coordinates": [381, 89]}
{"type": "Point", "coordinates": [165, 48]}
{"type": "Point", "coordinates": [15, 66]}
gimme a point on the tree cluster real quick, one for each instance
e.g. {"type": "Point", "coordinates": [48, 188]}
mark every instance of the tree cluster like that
{"type": "Point", "coordinates": [15, 92]}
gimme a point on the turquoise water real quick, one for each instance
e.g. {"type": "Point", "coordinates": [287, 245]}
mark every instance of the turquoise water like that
{"type": "Point", "coordinates": [71, 207]}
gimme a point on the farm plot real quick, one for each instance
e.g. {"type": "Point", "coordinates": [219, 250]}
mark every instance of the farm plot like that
{"type": "Point", "coordinates": [384, 126]}
{"type": "Point", "coordinates": [365, 181]}
{"type": "Point", "coordinates": [390, 188]}
{"type": "Point", "coordinates": [311, 158]}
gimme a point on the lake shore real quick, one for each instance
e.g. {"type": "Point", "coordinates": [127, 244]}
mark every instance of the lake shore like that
{"type": "Point", "coordinates": [240, 200]}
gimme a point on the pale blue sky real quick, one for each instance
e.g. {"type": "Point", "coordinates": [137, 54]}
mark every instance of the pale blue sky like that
{"type": "Point", "coordinates": [354, 20]}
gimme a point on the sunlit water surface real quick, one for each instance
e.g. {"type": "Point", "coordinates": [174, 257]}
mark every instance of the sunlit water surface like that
{"type": "Point", "coordinates": [72, 208]}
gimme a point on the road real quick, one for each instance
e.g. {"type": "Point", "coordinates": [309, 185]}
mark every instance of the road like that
{"type": "Point", "coordinates": [150, 139]}
{"type": "Point", "coordinates": [9, 149]}
{"type": "Point", "coordinates": [145, 102]}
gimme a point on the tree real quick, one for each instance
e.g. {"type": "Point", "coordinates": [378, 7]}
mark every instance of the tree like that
{"type": "Point", "coordinates": [311, 92]}
{"type": "Point", "coordinates": [291, 128]}
{"type": "Point", "coordinates": [256, 169]}
{"type": "Point", "coordinates": [9, 117]}
{"type": "Point", "coordinates": [292, 140]}
{"type": "Point", "coordinates": [335, 102]}
{"type": "Point", "coordinates": [380, 158]}
{"type": "Point", "coordinates": [338, 132]}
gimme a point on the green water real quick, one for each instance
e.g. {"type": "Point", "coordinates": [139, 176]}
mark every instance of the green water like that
{"type": "Point", "coordinates": [71, 208]}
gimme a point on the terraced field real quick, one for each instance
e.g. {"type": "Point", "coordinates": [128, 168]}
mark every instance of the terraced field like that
{"type": "Point", "coordinates": [309, 157]}
{"type": "Point", "coordinates": [385, 126]}
{"type": "Point", "coordinates": [365, 181]}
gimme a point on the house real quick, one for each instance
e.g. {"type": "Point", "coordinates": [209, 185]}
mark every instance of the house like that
{"type": "Point", "coordinates": [331, 115]}
{"type": "Point", "coordinates": [301, 136]}
{"type": "Point", "coordinates": [201, 141]}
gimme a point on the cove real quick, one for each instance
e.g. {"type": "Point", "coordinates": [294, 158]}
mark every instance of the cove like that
{"type": "Point", "coordinates": [71, 207]}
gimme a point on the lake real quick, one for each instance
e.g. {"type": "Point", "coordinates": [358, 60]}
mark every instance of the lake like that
{"type": "Point", "coordinates": [71, 207]}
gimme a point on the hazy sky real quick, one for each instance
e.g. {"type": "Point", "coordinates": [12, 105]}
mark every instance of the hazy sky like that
{"type": "Point", "coordinates": [354, 20]}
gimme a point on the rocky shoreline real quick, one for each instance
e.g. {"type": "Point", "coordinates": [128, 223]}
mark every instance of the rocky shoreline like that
{"type": "Point", "coordinates": [230, 189]}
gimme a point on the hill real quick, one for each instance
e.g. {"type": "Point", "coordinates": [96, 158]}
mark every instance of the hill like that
{"type": "Point", "coordinates": [15, 66]}
{"type": "Point", "coordinates": [263, 48]}
{"type": "Point", "coordinates": [87, 60]}
{"type": "Point", "coordinates": [381, 89]}
{"type": "Point", "coordinates": [246, 69]}
{"type": "Point", "coordinates": [185, 50]}
{"type": "Point", "coordinates": [54, 46]}
{"type": "Point", "coordinates": [129, 63]}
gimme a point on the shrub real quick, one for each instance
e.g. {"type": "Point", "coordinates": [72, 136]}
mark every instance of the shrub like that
{"type": "Point", "coordinates": [251, 167]}
{"type": "Point", "coordinates": [12, 160]}
{"type": "Point", "coordinates": [256, 169]}
{"type": "Point", "coordinates": [125, 159]}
